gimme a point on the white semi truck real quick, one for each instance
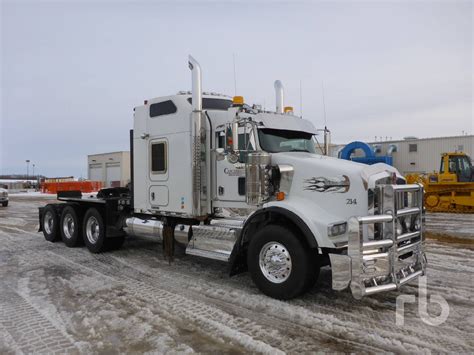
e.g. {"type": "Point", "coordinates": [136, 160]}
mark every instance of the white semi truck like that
{"type": "Point", "coordinates": [236, 183]}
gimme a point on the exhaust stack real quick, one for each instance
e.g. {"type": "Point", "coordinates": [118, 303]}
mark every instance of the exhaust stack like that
{"type": "Point", "coordinates": [196, 84]}
{"type": "Point", "coordinates": [327, 140]}
{"type": "Point", "coordinates": [279, 95]}
{"type": "Point", "coordinates": [196, 135]}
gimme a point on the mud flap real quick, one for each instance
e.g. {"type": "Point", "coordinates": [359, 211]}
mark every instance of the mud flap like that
{"type": "Point", "coordinates": [168, 242]}
{"type": "Point", "coordinates": [40, 216]}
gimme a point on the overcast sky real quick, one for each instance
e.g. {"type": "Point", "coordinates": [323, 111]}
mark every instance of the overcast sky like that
{"type": "Point", "coordinates": [73, 71]}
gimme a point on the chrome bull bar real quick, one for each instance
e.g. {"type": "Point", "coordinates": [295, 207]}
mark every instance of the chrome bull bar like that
{"type": "Point", "coordinates": [393, 256]}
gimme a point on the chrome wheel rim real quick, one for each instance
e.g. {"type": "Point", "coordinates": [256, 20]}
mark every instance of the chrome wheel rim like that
{"type": "Point", "coordinates": [275, 262]}
{"type": "Point", "coordinates": [48, 222]}
{"type": "Point", "coordinates": [92, 230]}
{"type": "Point", "coordinates": [68, 226]}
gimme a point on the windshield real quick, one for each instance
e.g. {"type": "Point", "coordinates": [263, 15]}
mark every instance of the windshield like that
{"type": "Point", "coordinates": [276, 140]}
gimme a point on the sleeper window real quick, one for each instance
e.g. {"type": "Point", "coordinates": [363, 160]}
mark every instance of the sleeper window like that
{"type": "Point", "coordinates": [158, 158]}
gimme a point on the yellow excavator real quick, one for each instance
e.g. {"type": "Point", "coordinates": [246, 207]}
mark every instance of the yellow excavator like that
{"type": "Point", "coordinates": [452, 188]}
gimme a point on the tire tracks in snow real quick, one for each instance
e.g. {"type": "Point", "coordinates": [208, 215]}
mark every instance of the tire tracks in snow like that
{"type": "Point", "coordinates": [250, 321]}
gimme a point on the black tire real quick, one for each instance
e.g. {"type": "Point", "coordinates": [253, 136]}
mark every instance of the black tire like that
{"type": "Point", "coordinates": [301, 265]}
{"type": "Point", "coordinates": [50, 224]}
{"type": "Point", "coordinates": [93, 231]}
{"type": "Point", "coordinates": [70, 227]}
{"type": "Point", "coordinates": [5, 204]}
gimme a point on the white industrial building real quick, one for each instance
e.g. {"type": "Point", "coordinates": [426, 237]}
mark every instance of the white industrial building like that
{"type": "Point", "coordinates": [112, 169]}
{"type": "Point", "coordinates": [418, 155]}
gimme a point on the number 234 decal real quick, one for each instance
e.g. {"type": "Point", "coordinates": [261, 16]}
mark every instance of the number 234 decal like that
{"type": "Point", "coordinates": [351, 201]}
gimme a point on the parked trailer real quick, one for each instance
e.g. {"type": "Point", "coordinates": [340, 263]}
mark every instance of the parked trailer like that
{"type": "Point", "coordinates": [235, 183]}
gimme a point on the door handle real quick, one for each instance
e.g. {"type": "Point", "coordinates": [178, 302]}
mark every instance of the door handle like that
{"type": "Point", "coordinates": [153, 196]}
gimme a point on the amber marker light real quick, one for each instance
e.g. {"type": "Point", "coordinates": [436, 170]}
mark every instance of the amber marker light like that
{"type": "Point", "coordinates": [280, 196]}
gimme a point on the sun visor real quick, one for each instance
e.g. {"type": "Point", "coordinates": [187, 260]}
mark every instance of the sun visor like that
{"type": "Point", "coordinates": [284, 122]}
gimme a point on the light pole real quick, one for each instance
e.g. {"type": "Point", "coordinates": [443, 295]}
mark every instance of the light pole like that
{"type": "Point", "coordinates": [27, 169]}
{"type": "Point", "coordinates": [34, 174]}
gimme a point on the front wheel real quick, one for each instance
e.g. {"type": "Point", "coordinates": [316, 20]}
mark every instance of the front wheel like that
{"type": "Point", "coordinates": [5, 203]}
{"type": "Point", "coordinates": [280, 264]}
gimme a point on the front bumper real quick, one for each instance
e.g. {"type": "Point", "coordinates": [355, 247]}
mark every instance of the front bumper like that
{"type": "Point", "coordinates": [390, 260]}
{"type": "Point", "coordinates": [3, 198]}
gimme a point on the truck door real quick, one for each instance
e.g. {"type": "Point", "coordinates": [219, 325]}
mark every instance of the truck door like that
{"type": "Point", "coordinates": [230, 174]}
{"type": "Point", "coordinates": [158, 193]}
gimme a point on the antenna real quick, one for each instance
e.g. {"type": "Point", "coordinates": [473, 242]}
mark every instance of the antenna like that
{"type": "Point", "coordinates": [235, 75]}
{"type": "Point", "coordinates": [301, 99]}
{"type": "Point", "coordinates": [324, 104]}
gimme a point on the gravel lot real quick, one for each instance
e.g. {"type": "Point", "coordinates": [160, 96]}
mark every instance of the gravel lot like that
{"type": "Point", "coordinates": [58, 299]}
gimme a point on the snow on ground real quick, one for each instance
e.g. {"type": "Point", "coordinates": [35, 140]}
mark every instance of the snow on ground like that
{"type": "Point", "coordinates": [59, 299]}
{"type": "Point", "coordinates": [456, 225]}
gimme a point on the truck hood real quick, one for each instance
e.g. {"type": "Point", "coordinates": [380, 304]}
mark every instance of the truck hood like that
{"type": "Point", "coordinates": [324, 190]}
{"type": "Point", "coordinates": [317, 164]}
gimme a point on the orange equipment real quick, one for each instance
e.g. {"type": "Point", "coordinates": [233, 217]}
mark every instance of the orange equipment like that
{"type": "Point", "coordinates": [83, 186]}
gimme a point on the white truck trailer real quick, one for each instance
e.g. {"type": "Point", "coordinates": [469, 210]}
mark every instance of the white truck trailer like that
{"type": "Point", "coordinates": [235, 183]}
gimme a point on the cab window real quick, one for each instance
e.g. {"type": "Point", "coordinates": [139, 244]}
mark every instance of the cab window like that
{"type": "Point", "coordinates": [162, 108]}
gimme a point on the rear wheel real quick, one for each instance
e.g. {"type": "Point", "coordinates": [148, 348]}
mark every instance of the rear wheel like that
{"type": "Point", "coordinates": [93, 232]}
{"type": "Point", "coordinates": [50, 224]}
{"type": "Point", "coordinates": [280, 264]}
{"type": "Point", "coordinates": [70, 227]}
{"type": "Point", "coordinates": [5, 203]}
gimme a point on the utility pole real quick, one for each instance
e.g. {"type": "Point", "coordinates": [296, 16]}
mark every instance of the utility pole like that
{"type": "Point", "coordinates": [27, 169]}
{"type": "Point", "coordinates": [34, 174]}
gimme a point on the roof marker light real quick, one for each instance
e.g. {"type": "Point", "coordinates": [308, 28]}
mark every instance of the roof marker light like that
{"type": "Point", "coordinates": [238, 100]}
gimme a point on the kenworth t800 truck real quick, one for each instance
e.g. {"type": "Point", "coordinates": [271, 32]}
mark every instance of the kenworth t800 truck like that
{"type": "Point", "coordinates": [232, 182]}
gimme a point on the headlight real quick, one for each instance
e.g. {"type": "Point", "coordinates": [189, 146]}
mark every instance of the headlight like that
{"type": "Point", "coordinates": [337, 229]}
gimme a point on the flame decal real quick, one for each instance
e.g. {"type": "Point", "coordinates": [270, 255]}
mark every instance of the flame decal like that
{"type": "Point", "coordinates": [323, 184]}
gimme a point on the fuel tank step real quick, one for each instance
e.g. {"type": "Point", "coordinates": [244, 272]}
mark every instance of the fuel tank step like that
{"type": "Point", "coordinates": [216, 240]}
